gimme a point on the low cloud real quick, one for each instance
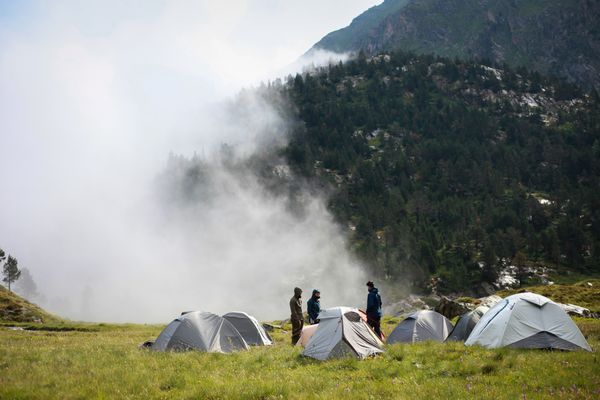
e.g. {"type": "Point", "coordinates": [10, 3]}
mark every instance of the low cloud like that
{"type": "Point", "coordinates": [110, 226]}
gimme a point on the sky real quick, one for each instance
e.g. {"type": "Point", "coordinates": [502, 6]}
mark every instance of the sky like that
{"type": "Point", "coordinates": [233, 41]}
{"type": "Point", "coordinates": [95, 96]}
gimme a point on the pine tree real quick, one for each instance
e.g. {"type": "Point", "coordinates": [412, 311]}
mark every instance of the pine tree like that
{"type": "Point", "coordinates": [11, 271]}
{"type": "Point", "coordinates": [489, 273]}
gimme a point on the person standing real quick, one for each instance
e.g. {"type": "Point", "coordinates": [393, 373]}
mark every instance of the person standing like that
{"type": "Point", "coordinates": [313, 306]}
{"type": "Point", "coordinates": [374, 308]}
{"type": "Point", "coordinates": [296, 315]}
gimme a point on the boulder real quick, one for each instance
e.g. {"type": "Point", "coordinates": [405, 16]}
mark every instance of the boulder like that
{"type": "Point", "coordinates": [489, 301]}
{"type": "Point", "coordinates": [577, 311]}
{"type": "Point", "coordinates": [450, 308]}
{"type": "Point", "coordinates": [405, 306]}
{"type": "Point", "coordinates": [484, 289]}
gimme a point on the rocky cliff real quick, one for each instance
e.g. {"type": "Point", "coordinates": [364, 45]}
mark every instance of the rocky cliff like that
{"type": "Point", "coordinates": [559, 38]}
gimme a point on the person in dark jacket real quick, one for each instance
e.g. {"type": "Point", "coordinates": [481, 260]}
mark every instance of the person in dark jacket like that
{"type": "Point", "coordinates": [374, 308]}
{"type": "Point", "coordinates": [296, 315]}
{"type": "Point", "coordinates": [313, 306]}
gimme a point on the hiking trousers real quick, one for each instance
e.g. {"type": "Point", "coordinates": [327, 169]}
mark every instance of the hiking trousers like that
{"type": "Point", "coordinates": [375, 323]}
{"type": "Point", "coordinates": [297, 325]}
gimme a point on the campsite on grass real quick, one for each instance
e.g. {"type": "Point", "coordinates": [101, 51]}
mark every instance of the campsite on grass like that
{"type": "Point", "coordinates": [525, 320]}
{"type": "Point", "coordinates": [270, 199]}
{"type": "Point", "coordinates": [204, 355]}
{"type": "Point", "coordinates": [209, 357]}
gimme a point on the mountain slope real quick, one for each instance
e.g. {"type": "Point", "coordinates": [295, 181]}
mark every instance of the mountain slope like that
{"type": "Point", "coordinates": [14, 308]}
{"type": "Point", "coordinates": [557, 37]}
{"type": "Point", "coordinates": [453, 170]}
{"type": "Point", "coordinates": [353, 37]}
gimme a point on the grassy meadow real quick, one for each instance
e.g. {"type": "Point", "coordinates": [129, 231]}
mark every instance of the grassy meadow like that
{"type": "Point", "coordinates": [100, 361]}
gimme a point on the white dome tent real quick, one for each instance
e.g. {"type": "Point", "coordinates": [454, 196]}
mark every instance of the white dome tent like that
{"type": "Point", "coordinates": [341, 333]}
{"type": "Point", "coordinates": [527, 320]}
{"type": "Point", "coordinates": [202, 331]}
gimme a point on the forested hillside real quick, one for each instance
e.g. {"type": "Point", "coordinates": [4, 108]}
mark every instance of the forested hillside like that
{"type": "Point", "coordinates": [450, 169]}
{"type": "Point", "coordinates": [560, 38]}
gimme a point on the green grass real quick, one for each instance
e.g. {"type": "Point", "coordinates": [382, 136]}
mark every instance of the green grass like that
{"type": "Point", "coordinates": [69, 360]}
{"type": "Point", "coordinates": [104, 362]}
{"type": "Point", "coordinates": [571, 278]}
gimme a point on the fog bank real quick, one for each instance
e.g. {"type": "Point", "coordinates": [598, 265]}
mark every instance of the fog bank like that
{"type": "Point", "coordinates": [94, 99]}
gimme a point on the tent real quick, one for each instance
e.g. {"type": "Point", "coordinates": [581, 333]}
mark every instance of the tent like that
{"type": "Point", "coordinates": [341, 333]}
{"type": "Point", "coordinates": [465, 324]}
{"type": "Point", "coordinates": [249, 328]}
{"type": "Point", "coordinates": [363, 314]}
{"type": "Point", "coordinates": [527, 320]}
{"type": "Point", "coordinates": [202, 331]}
{"type": "Point", "coordinates": [420, 326]}
{"type": "Point", "coordinates": [307, 332]}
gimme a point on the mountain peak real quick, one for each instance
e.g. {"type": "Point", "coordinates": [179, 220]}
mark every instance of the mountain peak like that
{"type": "Point", "coordinates": [552, 37]}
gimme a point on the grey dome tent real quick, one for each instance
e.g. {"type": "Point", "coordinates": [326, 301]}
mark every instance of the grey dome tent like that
{"type": "Point", "coordinates": [202, 331]}
{"type": "Point", "coordinates": [465, 324]}
{"type": "Point", "coordinates": [342, 333]}
{"type": "Point", "coordinates": [530, 321]}
{"type": "Point", "coordinates": [421, 326]}
{"type": "Point", "coordinates": [249, 328]}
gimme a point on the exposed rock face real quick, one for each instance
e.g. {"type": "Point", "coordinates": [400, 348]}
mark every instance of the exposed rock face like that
{"type": "Point", "coordinates": [552, 37]}
{"type": "Point", "coordinates": [405, 306]}
{"type": "Point", "coordinates": [485, 289]}
{"type": "Point", "coordinates": [489, 301]}
{"type": "Point", "coordinates": [453, 308]}
{"type": "Point", "coordinates": [450, 308]}
{"type": "Point", "coordinates": [445, 306]}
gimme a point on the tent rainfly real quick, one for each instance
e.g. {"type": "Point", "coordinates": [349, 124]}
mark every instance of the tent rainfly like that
{"type": "Point", "coordinates": [529, 321]}
{"type": "Point", "coordinates": [465, 324]}
{"type": "Point", "coordinates": [252, 332]}
{"type": "Point", "coordinates": [307, 333]}
{"type": "Point", "coordinates": [342, 332]}
{"type": "Point", "coordinates": [421, 326]}
{"type": "Point", "coordinates": [202, 331]}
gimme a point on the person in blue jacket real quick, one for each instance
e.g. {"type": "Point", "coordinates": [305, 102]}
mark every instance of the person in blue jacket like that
{"type": "Point", "coordinates": [374, 308]}
{"type": "Point", "coordinates": [313, 307]}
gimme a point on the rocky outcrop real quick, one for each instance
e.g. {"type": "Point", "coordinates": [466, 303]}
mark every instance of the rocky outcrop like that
{"type": "Point", "coordinates": [489, 301]}
{"type": "Point", "coordinates": [409, 304]}
{"type": "Point", "coordinates": [450, 308]}
{"type": "Point", "coordinates": [576, 311]}
{"type": "Point", "coordinates": [454, 308]}
{"type": "Point", "coordinates": [14, 308]}
{"type": "Point", "coordinates": [446, 306]}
